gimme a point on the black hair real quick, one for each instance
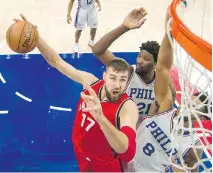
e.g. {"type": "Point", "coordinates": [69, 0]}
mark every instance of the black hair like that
{"type": "Point", "coordinates": [152, 47]}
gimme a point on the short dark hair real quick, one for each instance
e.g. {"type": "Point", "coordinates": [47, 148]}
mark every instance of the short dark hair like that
{"type": "Point", "coordinates": [152, 47]}
{"type": "Point", "coordinates": [118, 65]}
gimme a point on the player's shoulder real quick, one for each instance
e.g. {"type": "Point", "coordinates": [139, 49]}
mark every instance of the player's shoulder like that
{"type": "Point", "coordinates": [97, 82]}
{"type": "Point", "coordinates": [96, 85]}
{"type": "Point", "coordinates": [129, 105]}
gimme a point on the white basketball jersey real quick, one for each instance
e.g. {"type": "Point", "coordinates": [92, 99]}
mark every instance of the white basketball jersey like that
{"type": "Point", "coordinates": [154, 146]}
{"type": "Point", "coordinates": [86, 3]}
{"type": "Point", "coordinates": [140, 92]}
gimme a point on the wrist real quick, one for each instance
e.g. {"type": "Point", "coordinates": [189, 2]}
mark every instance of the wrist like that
{"type": "Point", "coordinates": [39, 42]}
{"type": "Point", "coordinates": [102, 121]}
{"type": "Point", "coordinates": [124, 28]}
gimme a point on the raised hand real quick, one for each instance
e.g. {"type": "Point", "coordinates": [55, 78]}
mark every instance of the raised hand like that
{"type": "Point", "coordinates": [135, 18]}
{"type": "Point", "coordinates": [93, 105]}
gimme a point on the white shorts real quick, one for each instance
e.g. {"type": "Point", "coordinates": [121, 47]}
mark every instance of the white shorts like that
{"type": "Point", "coordinates": [86, 16]}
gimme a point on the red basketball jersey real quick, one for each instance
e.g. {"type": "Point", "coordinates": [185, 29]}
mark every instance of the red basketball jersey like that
{"type": "Point", "coordinates": [87, 136]}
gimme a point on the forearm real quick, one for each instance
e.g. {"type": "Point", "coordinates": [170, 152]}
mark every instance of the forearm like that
{"type": "Point", "coordinates": [104, 43]}
{"type": "Point", "coordinates": [53, 58]}
{"type": "Point", "coordinates": [166, 53]}
{"type": "Point", "coordinates": [70, 7]}
{"type": "Point", "coordinates": [117, 140]}
{"type": "Point", "coordinates": [50, 55]}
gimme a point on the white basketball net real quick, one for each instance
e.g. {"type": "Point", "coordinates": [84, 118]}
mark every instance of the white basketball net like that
{"type": "Point", "coordinates": [192, 78]}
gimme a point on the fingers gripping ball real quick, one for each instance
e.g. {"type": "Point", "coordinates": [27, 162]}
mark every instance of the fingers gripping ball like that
{"type": "Point", "coordinates": [22, 37]}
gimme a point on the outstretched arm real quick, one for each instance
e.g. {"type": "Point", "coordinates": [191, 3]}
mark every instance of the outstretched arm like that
{"type": "Point", "coordinates": [164, 64]}
{"type": "Point", "coordinates": [53, 58]}
{"type": "Point", "coordinates": [100, 48]}
{"type": "Point", "coordinates": [134, 20]}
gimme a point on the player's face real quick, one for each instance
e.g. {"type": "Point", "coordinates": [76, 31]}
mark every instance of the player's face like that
{"type": "Point", "coordinates": [115, 83]}
{"type": "Point", "coordinates": [145, 62]}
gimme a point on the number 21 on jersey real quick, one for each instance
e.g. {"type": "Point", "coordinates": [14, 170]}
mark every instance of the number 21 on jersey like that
{"type": "Point", "coordinates": [143, 108]}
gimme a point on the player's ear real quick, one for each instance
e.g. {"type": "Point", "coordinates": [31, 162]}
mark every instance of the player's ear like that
{"type": "Point", "coordinates": [104, 76]}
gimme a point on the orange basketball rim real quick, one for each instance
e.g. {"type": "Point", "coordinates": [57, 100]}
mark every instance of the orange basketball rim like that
{"type": "Point", "coordinates": [195, 46]}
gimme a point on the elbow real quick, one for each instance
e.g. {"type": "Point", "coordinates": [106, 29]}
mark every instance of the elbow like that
{"type": "Point", "coordinates": [95, 50]}
{"type": "Point", "coordinates": [54, 63]}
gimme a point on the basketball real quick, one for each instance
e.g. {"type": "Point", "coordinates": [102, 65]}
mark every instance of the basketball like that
{"type": "Point", "coordinates": [22, 37]}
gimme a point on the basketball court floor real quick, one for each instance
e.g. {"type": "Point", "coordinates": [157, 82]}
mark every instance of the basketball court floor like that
{"type": "Point", "coordinates": [50, 17]}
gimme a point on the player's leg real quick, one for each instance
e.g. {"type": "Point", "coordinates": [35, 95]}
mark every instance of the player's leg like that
{"type": "Point", "coordinates": [80, 22]}
{"type": "Point", "coordinates": [92, 22]}
{"type": "Point", "coordinates": [92, 36]}
{"type": "Point", "coordinates": [77, 35]}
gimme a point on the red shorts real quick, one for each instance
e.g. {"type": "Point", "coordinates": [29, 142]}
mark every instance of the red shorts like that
{"type": "Point", "coordinates": [93, 165]}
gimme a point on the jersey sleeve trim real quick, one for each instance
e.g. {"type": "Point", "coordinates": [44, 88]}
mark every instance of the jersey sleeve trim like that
{"type": "Point", "coordinates": [117, 118]}
{"type": "Point", "coordinates": [93, 84]}
{"type": "Point", "coordinates": [130, 76]}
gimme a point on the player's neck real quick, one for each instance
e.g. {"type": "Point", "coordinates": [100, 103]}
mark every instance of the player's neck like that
{"type": "Point", "coordinates": [103, 95]}
{"type": "Point", "coordinates": [148, 78]}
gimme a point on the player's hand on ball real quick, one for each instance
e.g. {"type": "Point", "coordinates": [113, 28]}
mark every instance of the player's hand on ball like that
{"type": "Point", "coordinates": [23, 19]}
{"type": "Point", "coordinates": [69, 19]}
{"type": "Point", "coordinates": [135, 18]}
{"type": "Point", "coordinates": [93, 105]}
{"type": "Point", "coordinates": [22, 36]}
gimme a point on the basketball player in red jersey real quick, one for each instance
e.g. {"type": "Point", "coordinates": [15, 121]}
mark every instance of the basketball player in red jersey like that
{"type": "Point", "coordinates": [104, 129]}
